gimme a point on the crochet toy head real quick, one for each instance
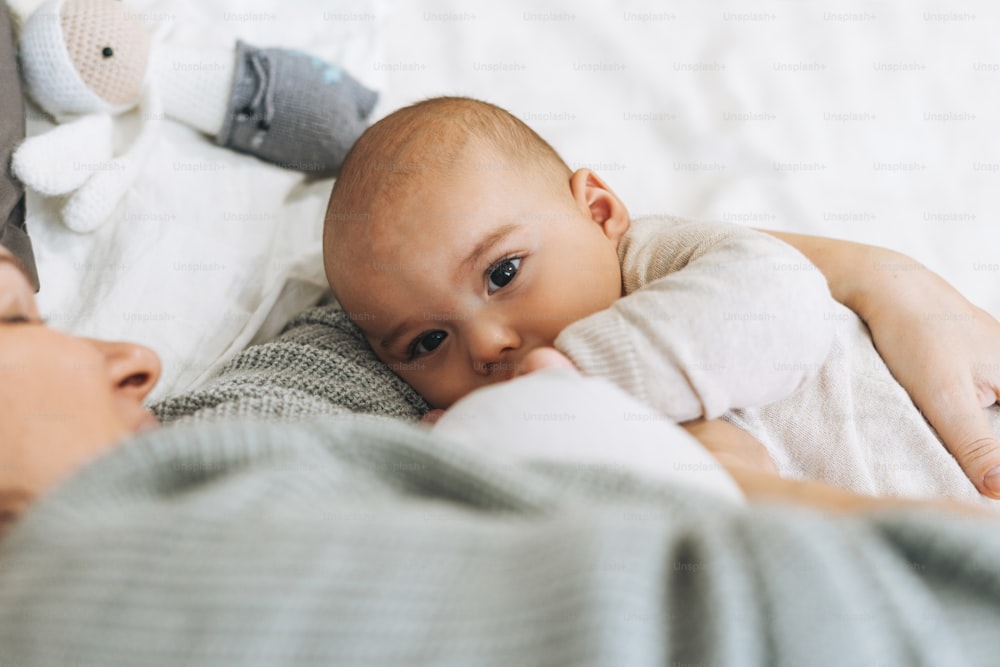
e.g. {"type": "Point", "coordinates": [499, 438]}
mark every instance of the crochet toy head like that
{"type": "Point", "coordinates": [84, 56]}
{"type": "Point", "coordinates": [86, 61]}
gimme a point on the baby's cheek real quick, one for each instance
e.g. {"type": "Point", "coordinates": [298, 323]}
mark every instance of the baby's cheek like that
{"type": "Point", "coordinates": [573, 307]}
{"type": "Point", "coordinates": [438, 388]}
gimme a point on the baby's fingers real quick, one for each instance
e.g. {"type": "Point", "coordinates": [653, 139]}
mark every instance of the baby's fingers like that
{"type": "Point", "coordinates": [432, 416]}
{"type": "Point", "coordinates": [542, 358]}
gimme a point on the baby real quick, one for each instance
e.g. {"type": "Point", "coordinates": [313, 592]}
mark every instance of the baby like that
{"type": "Point", "coordinates": [460, 242]}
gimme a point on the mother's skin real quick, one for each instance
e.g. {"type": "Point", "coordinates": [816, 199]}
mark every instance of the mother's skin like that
{"type": "Point", "coordinates": [939, 346]}
{"type": "Point", "coordinates": [63, 399]}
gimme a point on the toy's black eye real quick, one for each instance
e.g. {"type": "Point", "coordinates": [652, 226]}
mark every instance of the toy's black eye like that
{"type": "Point", "coordinates": [107, 52]}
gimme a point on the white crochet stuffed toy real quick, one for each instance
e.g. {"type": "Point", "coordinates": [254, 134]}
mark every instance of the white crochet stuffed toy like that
{"type": "Point", "coordinates": [85, 61]}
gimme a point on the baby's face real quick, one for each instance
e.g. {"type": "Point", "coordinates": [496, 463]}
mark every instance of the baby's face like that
{"type": "Point", "coordinates": [465, 272]}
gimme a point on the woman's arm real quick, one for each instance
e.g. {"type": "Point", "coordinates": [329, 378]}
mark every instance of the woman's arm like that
{"type": "Point", "coordinates": [856, 273]}
{"type": "Point", "coordinates": [940, 347]}
{"type": "Point", "coordinates": [747, 462]}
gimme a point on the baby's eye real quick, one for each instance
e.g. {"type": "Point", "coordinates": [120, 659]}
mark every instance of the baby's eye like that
{"type": "Point", "coordinates": [427, 343]}
{"type": "Point", "coordinates": [501, 273]}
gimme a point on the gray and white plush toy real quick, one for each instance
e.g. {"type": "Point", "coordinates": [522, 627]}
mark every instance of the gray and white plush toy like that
{"type": "Point", "coordinates": [85, 61]}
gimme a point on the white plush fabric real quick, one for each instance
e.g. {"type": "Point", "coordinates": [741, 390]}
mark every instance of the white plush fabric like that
{"type": "Point", "coordinates": [190, 77]}
{"type": "Point", "coordinates": [52, 163]}
{"type": "Point", "coordinates": [94, 203]}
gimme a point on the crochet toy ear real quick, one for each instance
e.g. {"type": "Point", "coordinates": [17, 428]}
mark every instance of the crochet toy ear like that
{"type": "Point", "coordinates": [20, 10]}
{"type": "Point", "coordinates": [63, 158]}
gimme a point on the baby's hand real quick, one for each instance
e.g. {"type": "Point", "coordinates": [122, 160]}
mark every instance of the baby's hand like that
{"type": "Point", "coordinates": [431, 417]}
{"type": "Point", "coordinates": [542, 358]}
{"type": "Point", "coordinates": [536, 360]}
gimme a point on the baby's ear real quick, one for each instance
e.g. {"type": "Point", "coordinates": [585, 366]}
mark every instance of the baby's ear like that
{"type": "Point", "coordinates": [593, 195]}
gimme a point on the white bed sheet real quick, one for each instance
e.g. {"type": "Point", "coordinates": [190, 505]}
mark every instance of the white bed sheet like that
{"type": "Point", "coordinates": [871, 121]}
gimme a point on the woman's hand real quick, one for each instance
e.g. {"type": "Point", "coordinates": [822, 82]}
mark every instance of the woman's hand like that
{"type": "Point", "coordinates": [747, 462]}
{"type": "Point", "coordinates": [946, 354]}
{"type": "Point", "coordinates": [940, 347]}
{"type": "Point", "coordinates": [730, 445]}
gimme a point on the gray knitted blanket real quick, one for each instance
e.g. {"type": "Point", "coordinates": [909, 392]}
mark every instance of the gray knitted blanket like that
{"type": "Point", "coordinates": [365, 540]}
{"type": "Point", "coordinates": [319, 365]}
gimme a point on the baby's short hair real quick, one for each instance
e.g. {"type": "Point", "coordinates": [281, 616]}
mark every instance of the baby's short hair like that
{"type": "Point", "coordinates": [422, 137]}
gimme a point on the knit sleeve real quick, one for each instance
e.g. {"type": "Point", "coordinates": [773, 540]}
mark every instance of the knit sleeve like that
{"type": "Point", "coordinates": [716, 317]}
{"type": "Point", "coordinates": [373, 542]}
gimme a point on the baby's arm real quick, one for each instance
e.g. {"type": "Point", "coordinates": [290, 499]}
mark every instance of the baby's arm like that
{"type": "Point", "coordinates": [717, 317]}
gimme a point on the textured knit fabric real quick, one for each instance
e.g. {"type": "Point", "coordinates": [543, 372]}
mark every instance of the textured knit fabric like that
{"type": "Point", "coordinates": [293, 109]}
{"type": "Point", "coordinates": [722, 318]}
{"type": "Point", "coordinates": [365, 541]}
{"type": "Point", "coordinates": [319, 365]}
{"type": "Point", "coordinates": [13, 233]}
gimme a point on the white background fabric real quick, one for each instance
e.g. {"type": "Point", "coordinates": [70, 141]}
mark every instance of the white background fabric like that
{"type": "Point", "coordinates": [871, 121]}
{"type": "Point", "coordinates": [699, 102]}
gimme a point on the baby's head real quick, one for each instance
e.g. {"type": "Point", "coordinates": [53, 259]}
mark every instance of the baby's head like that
{"type": "Point", "coordinates": [458, 240]}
